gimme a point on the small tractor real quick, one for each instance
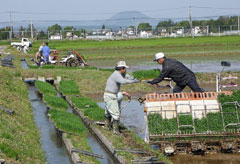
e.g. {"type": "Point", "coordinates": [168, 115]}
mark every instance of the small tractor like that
{"type": "Point", "coordinates": [74, 59]}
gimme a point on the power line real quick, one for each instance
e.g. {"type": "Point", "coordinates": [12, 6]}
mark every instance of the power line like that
{"type": "Point", "coordinates": [225, 8]}
{"type": "Point", "coordinates": [115, 20]}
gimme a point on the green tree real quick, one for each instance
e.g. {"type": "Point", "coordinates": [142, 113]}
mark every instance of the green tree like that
{"type": "Point", "coordinates": [168, 23]}
{"type": "Point", "coordinates": [54, 29]}
{"type": "Point", "coordinates": [42, 35]}
{"type": "Point", "coordinates": [103, 27]}
{"type": "Point", "coordinates": [4, 33]}
{"type": "Point", "coordinates": [144, 27]}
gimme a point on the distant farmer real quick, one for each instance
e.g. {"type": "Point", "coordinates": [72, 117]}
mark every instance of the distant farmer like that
{"type": "Point", "coordinates": [39, 54]}
{"type": "Point", "coordinates": [113, 96]}
{"type": "Point", "coordinates": [46, 52]}
{"type": "Point", "coordinates": [178, 72]}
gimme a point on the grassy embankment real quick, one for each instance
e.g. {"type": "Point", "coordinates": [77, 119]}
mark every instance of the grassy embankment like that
{"type": "Point", "coordinates": [65, 121]}
{"type": "Point", "coordinates": [17, 131]}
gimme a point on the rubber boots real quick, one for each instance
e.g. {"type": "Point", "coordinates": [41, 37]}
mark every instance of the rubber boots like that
{"type": "Point", "coordinates": [116, 127]}
{"type": "Point", "coordinates": [108, 125]}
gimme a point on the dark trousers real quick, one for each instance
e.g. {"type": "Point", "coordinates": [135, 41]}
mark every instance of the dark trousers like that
{"type": "Point", "coordinates": [192, 83]}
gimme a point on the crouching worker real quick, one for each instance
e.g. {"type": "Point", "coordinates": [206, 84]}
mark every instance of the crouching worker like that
{"type": "Point", "coordinates": [179, 73]}
{"type": "Point", "coordinates": [113, 96]}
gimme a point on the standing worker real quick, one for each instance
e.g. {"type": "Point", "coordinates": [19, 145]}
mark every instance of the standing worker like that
{"type": "Point", "coordinates": [178, 72]}
{"type": "Point", "coordinates": [113, 96]}
{"type": "Point", "coordinates": [46, 52]}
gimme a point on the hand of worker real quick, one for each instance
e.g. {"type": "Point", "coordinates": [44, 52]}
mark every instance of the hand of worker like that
{"type": "Point", "coordinates": [136, 80]}
{"type": "Point", "coordinates": [127, 94]}
{"type": "Point", "coordinates": [149, 82]}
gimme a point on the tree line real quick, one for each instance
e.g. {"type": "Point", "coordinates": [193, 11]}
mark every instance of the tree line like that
{"type": "Point", "coordinates": [224, 21]}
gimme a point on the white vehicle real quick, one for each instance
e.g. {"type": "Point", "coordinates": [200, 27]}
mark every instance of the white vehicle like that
{"type": "Point", "coordinates": [25, 42]}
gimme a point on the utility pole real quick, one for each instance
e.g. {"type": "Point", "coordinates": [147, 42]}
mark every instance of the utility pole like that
{"type": "Point", "coordinates": [11, 26]}
{"type": "Point", "coordinates": [238, 24]}
{"type": "Point", "coordinates": [190, 20]}
{"type": "Point", "coordinates": [31, 30]}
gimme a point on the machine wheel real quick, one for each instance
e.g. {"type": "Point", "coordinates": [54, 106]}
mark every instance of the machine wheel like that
{"type": "Point", "coordinates": [72, 63]}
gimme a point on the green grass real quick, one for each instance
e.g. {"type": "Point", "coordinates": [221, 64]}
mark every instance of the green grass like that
{"type": "Point", "coordinates": [146, 74]}
{"type": "Point", "coordinates": [56, 102]}
{"type": "Point", "coordinates": [18, 131]}
{"type": "Point", "coordinates": [81, 44]}
{"type": "Point", "coordinates": [89, 107]}
{"type": "Point", "coordinates": [69, 87]}
{"type": "Point", "coordinates": [145, 48]}
{"type": "Point", "coordinates": [45, 88]}
{"type": "Point", "coordinates": [10, 152]}
{"type": "Point", "coordinates": [68, 122]}
{"type": "Point", "coordinates": [4, 43]}
{"type": "Point", "coordinates": [69, 68]}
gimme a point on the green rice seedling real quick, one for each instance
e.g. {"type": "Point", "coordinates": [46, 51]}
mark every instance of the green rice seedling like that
{"type": "Point", "coordinates": [83, 102]}
{"type": "Point", "coordinates": [90, 108]}
{"type": "Point", "coordinates": [69, 87]}
{"type": "Point", "coordinates": [185, 120]}
{"type": "Point", "coordinates": [56, 102]}
{"type": "Point", "coordinates": [146, 74]}
{"type": "Point", "coordinates": [96, 113]}
{"type": "Point", "coordinates": [45, 88]}
{"type": "Point", "coordinates": [68, 122]}
{"type": "Point", "coordinates": [158, 125]}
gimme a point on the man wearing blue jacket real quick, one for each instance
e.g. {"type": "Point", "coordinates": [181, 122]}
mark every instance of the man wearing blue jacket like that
{"type": "Point", "coordinates": [46, 52]}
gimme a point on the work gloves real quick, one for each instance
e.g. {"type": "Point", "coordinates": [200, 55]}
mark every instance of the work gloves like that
{"type": "Point", "coordinates": [136, 80]}
{"type": "Point", "coordinates": [150, 82]}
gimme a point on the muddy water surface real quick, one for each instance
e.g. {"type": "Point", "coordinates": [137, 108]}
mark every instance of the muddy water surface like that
{"type": "Point", "coordinates": [132, 116]}
{"type": "Point", "coordinates": [195, 63]}
{"type": "Point", "coordinates": [206, 159]}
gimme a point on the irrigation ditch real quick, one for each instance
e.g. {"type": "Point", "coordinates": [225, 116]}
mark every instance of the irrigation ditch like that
{"type": "Point", "coordinates": [98, 145]}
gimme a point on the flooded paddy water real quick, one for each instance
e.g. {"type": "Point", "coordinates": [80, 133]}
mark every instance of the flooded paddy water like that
{"type": "Point", "coordinates": [197, 63]}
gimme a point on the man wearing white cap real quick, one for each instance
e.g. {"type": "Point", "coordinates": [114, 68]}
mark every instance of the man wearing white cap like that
{"type": "Point", "coordinates": [113, 96]}
{"type": "Point", "coordinates": [179, 73]}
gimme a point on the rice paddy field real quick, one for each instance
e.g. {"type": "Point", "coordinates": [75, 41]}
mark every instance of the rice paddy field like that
{"type": "Point", "coordinates": [138, 54]}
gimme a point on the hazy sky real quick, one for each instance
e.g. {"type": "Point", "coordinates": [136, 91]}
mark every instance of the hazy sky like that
{"type": "Point", "coordinates": [104, 9]}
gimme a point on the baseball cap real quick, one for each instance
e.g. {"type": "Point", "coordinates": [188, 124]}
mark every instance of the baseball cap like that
{"type": "Point", "coordinates": [159, 55]}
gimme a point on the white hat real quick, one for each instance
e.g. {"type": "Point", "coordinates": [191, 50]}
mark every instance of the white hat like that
{"type": "Point", "coordinates": [122, 64]}
{"type": "Point", "coordinates": [159, 55]}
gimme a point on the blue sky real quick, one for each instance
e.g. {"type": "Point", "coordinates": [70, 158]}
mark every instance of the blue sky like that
{"type": "Point", "coordinates": [104, 9]}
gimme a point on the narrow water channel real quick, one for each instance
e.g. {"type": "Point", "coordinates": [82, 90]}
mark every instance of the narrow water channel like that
{"type": "Point", "coordinates": [24, 64]}
{"type": "Point", "coordinates": [96, 147]}
{"type": "Point", "coordinates": [51, 142]}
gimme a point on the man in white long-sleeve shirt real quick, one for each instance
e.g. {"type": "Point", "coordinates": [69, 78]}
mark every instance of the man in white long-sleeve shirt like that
{"type": "Point", "coordinates": [113, 96]}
